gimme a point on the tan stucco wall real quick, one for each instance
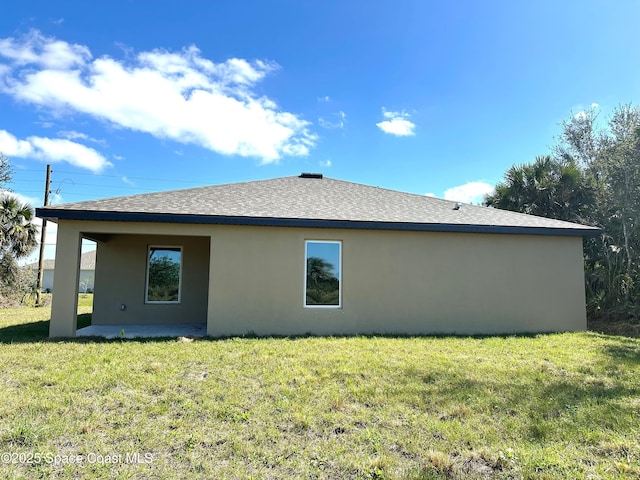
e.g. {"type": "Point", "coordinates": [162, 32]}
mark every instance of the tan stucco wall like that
{"type": "Point", "coordinates": [398, 282]}
{"type": "Point", "coordinates": [121, 274]}
{"type": "Point", "coordinates": [64, 305]}
{"type": "Point", "coordinates": [393, 282]}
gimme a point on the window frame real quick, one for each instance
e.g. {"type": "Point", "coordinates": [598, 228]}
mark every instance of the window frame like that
{"type": "Point", "coordinates": [304, 282]}
{"type": "Point", "coordinates": [146, 283]}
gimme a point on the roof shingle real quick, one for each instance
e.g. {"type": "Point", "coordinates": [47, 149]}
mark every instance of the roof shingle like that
{"type": "Point", "coordinates": [300, 201]}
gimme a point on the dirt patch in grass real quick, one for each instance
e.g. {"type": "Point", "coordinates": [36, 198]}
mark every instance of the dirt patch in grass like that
{"type": "Point", "coordinates": [617, 321]}
{"type": "Point", "coordinates": [608, 327]}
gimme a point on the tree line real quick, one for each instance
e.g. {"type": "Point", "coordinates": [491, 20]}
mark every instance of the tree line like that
{"type": "Point", "coordinates": [18, 239]}
{"type": "Point", "coordinates": [590, 176]}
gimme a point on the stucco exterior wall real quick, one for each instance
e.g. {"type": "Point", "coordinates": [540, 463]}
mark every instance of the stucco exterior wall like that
{"type": "Point", "coordinates": [47, 280]}
{"type": "Point", "coordinates": [251, 279]}
{"type": "Point", "coordinates": [398, 282]}
{"type": "Point", "coordinates": [86, 280]}
{"type": "Point", "coordinates": [121, 275]}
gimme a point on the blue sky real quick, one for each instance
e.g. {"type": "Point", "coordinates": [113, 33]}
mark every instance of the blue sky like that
{"type": "Point", "coordinates": [433, 97]}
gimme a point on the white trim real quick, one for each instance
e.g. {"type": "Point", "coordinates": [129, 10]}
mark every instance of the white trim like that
{"type": "Point", "coordinates": [146, 283]}
{"type": "Point", "coordinates": [304, 281]}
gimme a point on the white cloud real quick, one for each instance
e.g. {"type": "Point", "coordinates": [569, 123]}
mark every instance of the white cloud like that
{"type": "Point", "coordinates": [429, 194]}
{"type": "Point", "coordinates": [583, 113]}
{"type": "Point", "coordinates": [43, 52]}
{"type": "Point", "coordinates": [471, 192]}
{"type": "Point", "coordinates": [396, 123]}
{"type": "Point", "coordinates": [73, 135]}
{"type": "Point", "coordinates": [176, 95]}
{"type": "Point", "coordinates": [53, 150]}
{"type": "Point", "coordinates": [118, 157]}
{"type": "Point", "coordinates": [325, 99]}
{"type": "Point", "coordinates": [12, 147]}
{"type": "Point", "coordinates": [33, 201]}
{"type": "Point", "coordinates": [325, 163]}
{"type": "Point", "coordinates": [334, 120]}
{"type": "Point", "coordinates": [127, 181]}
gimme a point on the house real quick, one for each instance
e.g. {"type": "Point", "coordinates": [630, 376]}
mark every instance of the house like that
{"type": "Point", "coordinates": [310, 254]}
{"type": "Point", "coordinates": [86, 277]}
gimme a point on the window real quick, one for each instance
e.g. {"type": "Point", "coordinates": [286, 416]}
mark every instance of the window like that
{"type": "Point", "coordinates": [323, 271]}
{"type": "Point", "coordinates": [164, 271]}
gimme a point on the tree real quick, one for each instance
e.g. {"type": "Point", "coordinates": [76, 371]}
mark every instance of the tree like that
{"type": "Point", "coordinates": [619, 172]}
{"type": "Point", "coordinates": [547, 187]}
{"type": "Point", "coordinates": [611, 158]}
{"type": "Point", "coordinates": [164, 278]}
{"type": "Point", "coordinates": [592, 177]}
{"type": "Point", "coordinates": [5, 171]}
{"type": "Point", "coordinates": [319, 270]}
{"type": "Point", "coordinates": [579, 139]}
{"type": "Point", "coordinates": [323, 288]}
{"type": "Point", "coordinates": [18, 237]}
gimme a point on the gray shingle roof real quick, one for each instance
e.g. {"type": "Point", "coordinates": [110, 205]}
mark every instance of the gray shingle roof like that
{"type": "Point", "coordinates": [87, 262]}
{"type": "Point", "coordinates": [300, 201]}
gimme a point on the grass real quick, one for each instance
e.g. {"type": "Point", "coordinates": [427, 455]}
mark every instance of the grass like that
{"type": "Point", "coordinates": [539, 407]}
{"type": "Point", "coordinates": [31, 324]}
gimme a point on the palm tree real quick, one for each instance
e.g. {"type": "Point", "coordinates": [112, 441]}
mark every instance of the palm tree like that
{"type": "Point", "coordinates": [547, 187]}
{"type": "Point", "coordinates": [18, 236]}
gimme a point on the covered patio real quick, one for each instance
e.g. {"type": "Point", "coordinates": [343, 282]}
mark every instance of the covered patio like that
{"type": "Point", "coordinates": [140, 331]}
{"type": "Point", "coordinates": [123, 305]}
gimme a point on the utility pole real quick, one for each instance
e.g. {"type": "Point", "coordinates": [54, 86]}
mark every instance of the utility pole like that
{"type": "Point", "coordinates": [43, 235]}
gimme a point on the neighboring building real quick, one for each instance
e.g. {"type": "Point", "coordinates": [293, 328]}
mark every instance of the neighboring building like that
{"type": "Point", "coordinates": [86, 278]}
{"type": "Point", "coordinates": [308, 254]}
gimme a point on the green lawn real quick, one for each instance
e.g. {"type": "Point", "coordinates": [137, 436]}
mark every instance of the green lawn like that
{"type": "Point", "coordinates": [549, 406]}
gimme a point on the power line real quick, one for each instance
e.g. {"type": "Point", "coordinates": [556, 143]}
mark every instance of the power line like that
{"type": "Point", "coordinates": [92, 196]}
{"type": "Point", "coordinates": [128, 177]}
{"type": "Point", "coordinates": [76, 194]}
{"type": "Point", "coordinates": [66, 172]}
{"type": "Point", "coordinates": [30, 191]}
{"type": "Point", "coordinates": [122, 187]}
{"type": "Point", "coordinates": [26, 181]}
{"type": "Point", "coordinates": [113, 186]}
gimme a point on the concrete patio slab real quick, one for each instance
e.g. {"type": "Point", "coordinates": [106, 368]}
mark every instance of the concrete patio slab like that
{"type": "Point", "coordinates": [137, 331]}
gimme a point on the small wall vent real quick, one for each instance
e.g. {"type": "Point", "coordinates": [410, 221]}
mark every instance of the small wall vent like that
{"type": "Point", "coordinates": [311, 175]}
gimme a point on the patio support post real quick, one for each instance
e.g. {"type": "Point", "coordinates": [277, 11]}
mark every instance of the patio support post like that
{"type": "Point", "coordinates": [210, 308]}
{"type": "Point", "coordinates": [64, 306]}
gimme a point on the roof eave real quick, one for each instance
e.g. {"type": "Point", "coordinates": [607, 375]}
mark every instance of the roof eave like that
{"type": "Point", "coordinates": [93, 215]}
